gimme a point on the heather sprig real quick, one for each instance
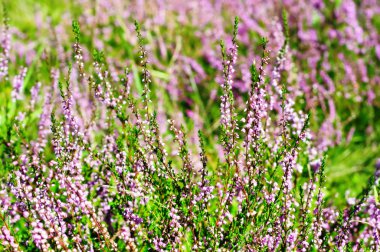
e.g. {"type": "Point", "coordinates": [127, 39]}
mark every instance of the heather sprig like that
{"type": "Point", "coordinates": [77, 48]}
{"type": "Point", "coordinates": [229, 124]}
{"type": "Point", "coordinates": [5, 45]}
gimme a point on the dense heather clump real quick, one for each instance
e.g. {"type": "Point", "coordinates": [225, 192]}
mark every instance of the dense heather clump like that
{"type": "Point", "coordinates": [330, 62]}
{"type": "Point", "coordinates": [94, 158]}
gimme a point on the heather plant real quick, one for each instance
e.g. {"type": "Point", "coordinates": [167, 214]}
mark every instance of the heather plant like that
{"type": "Point", "coordinates": [94, 160]}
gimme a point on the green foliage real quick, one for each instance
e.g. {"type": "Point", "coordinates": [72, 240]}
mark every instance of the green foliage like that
{"type": "Point", "coordinates": [76, 30]}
